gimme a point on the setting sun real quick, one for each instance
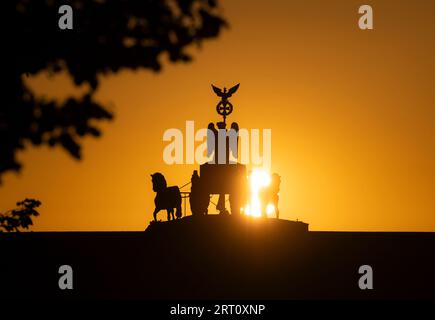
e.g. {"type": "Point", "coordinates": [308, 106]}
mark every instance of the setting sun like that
{"type": "Point", "coordinates": [258, 180]}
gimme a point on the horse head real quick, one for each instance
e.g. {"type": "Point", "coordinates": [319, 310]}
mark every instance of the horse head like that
{"type": "Point", "coordinates": [159, 182]}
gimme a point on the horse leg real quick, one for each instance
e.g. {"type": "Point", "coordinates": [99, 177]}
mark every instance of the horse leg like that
{"type": "Point", "coordinates": [170, 212]}
{"type": "Point", "coordinates": [155, 213]}
{"type": "Point", "coordinates": [178, 212]}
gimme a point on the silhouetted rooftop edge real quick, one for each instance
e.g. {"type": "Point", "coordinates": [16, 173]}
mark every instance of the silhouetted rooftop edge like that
{"type": "Point", "coordinates": [219, 221]}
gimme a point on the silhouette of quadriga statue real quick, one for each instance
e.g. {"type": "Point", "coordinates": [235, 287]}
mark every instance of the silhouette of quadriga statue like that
{"type": "Point", "coordinates": [167, 198]}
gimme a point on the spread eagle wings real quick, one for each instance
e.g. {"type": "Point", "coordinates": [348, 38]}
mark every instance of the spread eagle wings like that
{"type": "Point", "coordinates": [217, 91]}
{"type": "Point", "coordinates": [233, 90]}
{"type": "Point", "coordinates": [227, 94]}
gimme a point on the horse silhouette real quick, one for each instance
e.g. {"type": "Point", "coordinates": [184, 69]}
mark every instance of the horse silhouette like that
{"type": "Point", "coordinates": [167, 198]}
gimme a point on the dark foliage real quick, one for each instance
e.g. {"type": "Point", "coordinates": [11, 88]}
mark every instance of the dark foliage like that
{"type": "Point", "coordinates": [107, 36]}
{"type": "Point", "coordinates": [21, 217]}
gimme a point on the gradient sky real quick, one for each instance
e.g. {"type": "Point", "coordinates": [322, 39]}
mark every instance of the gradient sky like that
{"type": "Point", "coordinates": [352, 115]}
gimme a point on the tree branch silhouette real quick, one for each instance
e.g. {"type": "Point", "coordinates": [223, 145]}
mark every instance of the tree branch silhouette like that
{"type": "Point", "coordinates": [107, 36]}
{"type": "Point", "coordinates": [14, 220]}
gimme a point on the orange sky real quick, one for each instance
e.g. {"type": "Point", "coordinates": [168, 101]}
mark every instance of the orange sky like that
{"type": "Point", "coordinates": [352, 116]}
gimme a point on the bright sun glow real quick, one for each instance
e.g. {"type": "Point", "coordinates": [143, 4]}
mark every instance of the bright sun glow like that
{"type": "Point", "coordinates": [270, 209]}
{"type": "Point", "coordinates": [258, 180]}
